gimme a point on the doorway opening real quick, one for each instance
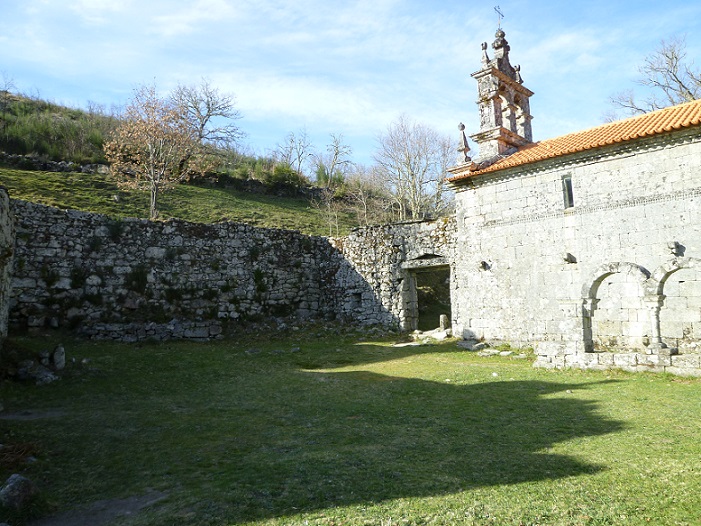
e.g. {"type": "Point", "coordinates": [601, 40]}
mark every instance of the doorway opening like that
{"type": "Point", "coordinates": [432, 296]}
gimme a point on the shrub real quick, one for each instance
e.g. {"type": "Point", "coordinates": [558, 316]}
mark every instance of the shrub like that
{"type": "Point", "coordinates": [137, 279]}
{"type": "Point", "coordinates": [115, 229]}
{"type": "Point", "coordinates": [78, 277]}
{"type": "Point", "coordinates": [49, 276]}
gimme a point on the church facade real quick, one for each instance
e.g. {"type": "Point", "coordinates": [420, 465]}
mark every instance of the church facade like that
{"type": "Point", "coordinates": [587, 246]}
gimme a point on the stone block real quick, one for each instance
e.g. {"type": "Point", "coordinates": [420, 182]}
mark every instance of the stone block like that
{"type": "Point", "coordinates": [23, 283]}
{"type": "Point", "coordinates": [654, 360]}
{"type": "Point", "coordinates": [155, 252]}
{"type": "Point", "coordinates": [686, 361]}
{"type": "Point", "coordinates": [625, 359]}
{"type": "Point", "coordinates": [605, 358]}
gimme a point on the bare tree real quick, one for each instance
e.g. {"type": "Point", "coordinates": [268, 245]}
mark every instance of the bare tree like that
{"type": "Point", "coordinates": [367, 197]}
{"type": "Point", "coordinates": [147, 147]}
{"type": "Point", "coordinates": [444, 198]}
{"type": "Point", "coordinates": [333, 166]}
{"type": "Point", "coordinates": [410, 161]}
{"type": "Point", "coordinates": [331, 206]}
{"type": "Point", "coordinates": [669, 76]}
{"type": "Point", "coordinates": [295, 150]}
{"type": "Point", "coordinates": [211, 116]}
{"type": "Point", "coordinates": [209, 113]}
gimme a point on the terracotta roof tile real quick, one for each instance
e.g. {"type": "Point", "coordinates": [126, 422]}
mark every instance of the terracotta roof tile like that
{"type": "Point", "coordinates": [649, 124]}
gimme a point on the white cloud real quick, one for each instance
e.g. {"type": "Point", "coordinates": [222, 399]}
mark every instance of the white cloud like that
{"type": "Point", "coordinates": [191, 17]}
{"type": "Point", "coordinates": [99, 11]}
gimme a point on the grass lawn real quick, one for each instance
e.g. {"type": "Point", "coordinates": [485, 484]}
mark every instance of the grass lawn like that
{"type": "Point", "coordinates": [95, 193]}
{"type": "Point", "coordinates": [330, 430]}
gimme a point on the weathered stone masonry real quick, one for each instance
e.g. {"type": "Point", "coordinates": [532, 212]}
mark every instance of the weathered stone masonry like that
{"type": "Point", "coordinates": [7, 238]}
{"type": "Point", "coordinates": [153, 279]}
{"type": "Point", "coordinates": [619, 270]}
{"type": "Point", "coordinates": [387, 258]}
{"type": "Point", "coordinates": [134, 279]}
{"type": "Point", "coordinates": [592, 255]}
{"type": "Point", "coordinates": [586, 246]}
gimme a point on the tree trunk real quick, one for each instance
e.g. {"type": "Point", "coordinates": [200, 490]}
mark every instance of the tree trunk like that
{"type": "Point", "coordinates": [153, 211]}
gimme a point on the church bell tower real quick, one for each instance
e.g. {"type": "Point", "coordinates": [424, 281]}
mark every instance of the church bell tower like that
{"type": "Point", "coordinates": [505, 117]}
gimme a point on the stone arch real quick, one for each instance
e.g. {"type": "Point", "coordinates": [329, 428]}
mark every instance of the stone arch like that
{"type": "Point", "coordinates": [679, 304]}
{"type": "Point", "coordinates": [591, 286]}
{"type": "Point", "coordinates": [656, 283]}
{"type": "Point", "coordinates": [634, 274]}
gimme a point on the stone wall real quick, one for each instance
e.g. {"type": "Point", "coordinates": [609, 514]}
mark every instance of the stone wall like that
{"type": "Point", "coordinates": [616, 270]}
{"type": "Point", "coordinates": [386, 258]}
{"type": "Point", "coordinates": [7, 242]}
{"type": "Point", "coordinates": [134, 279]}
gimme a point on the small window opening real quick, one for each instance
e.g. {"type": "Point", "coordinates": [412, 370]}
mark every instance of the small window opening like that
{"type": "Point", "coordinates": [567, 191]}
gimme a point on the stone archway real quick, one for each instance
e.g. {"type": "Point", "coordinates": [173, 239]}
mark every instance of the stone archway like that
{"type": "Point", "coordinates": [622, 319]}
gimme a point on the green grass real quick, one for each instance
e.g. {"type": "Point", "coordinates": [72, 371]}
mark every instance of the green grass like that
{"type": "Point", "coordinates": [322, 430]}
{"type": "Point", "coordinates": [95, 193]}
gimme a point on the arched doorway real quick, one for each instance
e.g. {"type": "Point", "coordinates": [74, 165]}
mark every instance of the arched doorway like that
{"type": "Point", "coordinates": [678, 284]}
{"type": "Point", "coordinates": [615, 315]}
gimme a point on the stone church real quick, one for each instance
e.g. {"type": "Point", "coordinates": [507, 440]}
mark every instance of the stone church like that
{"type": "Point", "coordinates": [582, 244]}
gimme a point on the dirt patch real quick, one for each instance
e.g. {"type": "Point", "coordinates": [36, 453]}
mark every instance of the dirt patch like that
{"type": "Point", "coordinates": [102, 512]}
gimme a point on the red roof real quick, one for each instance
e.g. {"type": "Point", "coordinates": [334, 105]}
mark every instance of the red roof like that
{"type": "Point", "coordinates": [647, 125]}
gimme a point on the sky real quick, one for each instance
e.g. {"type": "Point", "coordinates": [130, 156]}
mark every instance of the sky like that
{"type": "Point", "coordinates": [349, 68]}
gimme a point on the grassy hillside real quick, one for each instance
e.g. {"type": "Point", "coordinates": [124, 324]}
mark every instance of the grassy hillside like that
{"type": "Point", "coordinates": [99, 193]}
{"type": "Point", "coordinates": [31, 125]}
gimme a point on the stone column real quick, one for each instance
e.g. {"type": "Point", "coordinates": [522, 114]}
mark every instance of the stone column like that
{"type": "Point", "coordinates": [409, 319]}
{"type": "Point", "coordinates": [654, 305]}
{"type": "Point", "coordinates": [588, 308]}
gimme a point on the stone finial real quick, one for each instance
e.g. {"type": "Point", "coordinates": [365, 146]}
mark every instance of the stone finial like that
{"type": "Point", "coordinates": [676, 248]}
{"type": "Point", "coordinates": [463, 148]}
{"type": "Point", "coordinates": [500, 45]}
{"type": "Point", "coordinates": [517, 69]}
{"type": "Point", "coordinates": [485, 57]}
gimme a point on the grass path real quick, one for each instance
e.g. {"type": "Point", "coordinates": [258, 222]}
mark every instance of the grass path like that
{"type": "Point", "coordinates": [314, 429]}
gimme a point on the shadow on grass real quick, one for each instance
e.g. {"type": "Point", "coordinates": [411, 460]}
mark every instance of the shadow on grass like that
{"type": "Point", "coordinates": [361, 438]}
{"type": "Point", "coordinates": [238, 437]}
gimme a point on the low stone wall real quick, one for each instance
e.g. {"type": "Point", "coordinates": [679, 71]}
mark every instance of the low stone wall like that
{"type": "Point", "coordinates": [7, 242]}
{"type": "Point", "coordinates": [683, 364]}
{"type": "Point", "coordinates": [37, 162]}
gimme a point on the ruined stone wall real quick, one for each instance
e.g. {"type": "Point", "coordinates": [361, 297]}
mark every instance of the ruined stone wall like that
{"type": "Point", "coordinates": [135, 279]}
{"type": "Point", "coordinates": [571, 280]}
{"type": "Point", "coordinates": [7, 242]}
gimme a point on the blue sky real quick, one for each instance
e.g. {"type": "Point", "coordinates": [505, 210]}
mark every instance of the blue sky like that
{"type": "Point", "coordinates": [347, 67]}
